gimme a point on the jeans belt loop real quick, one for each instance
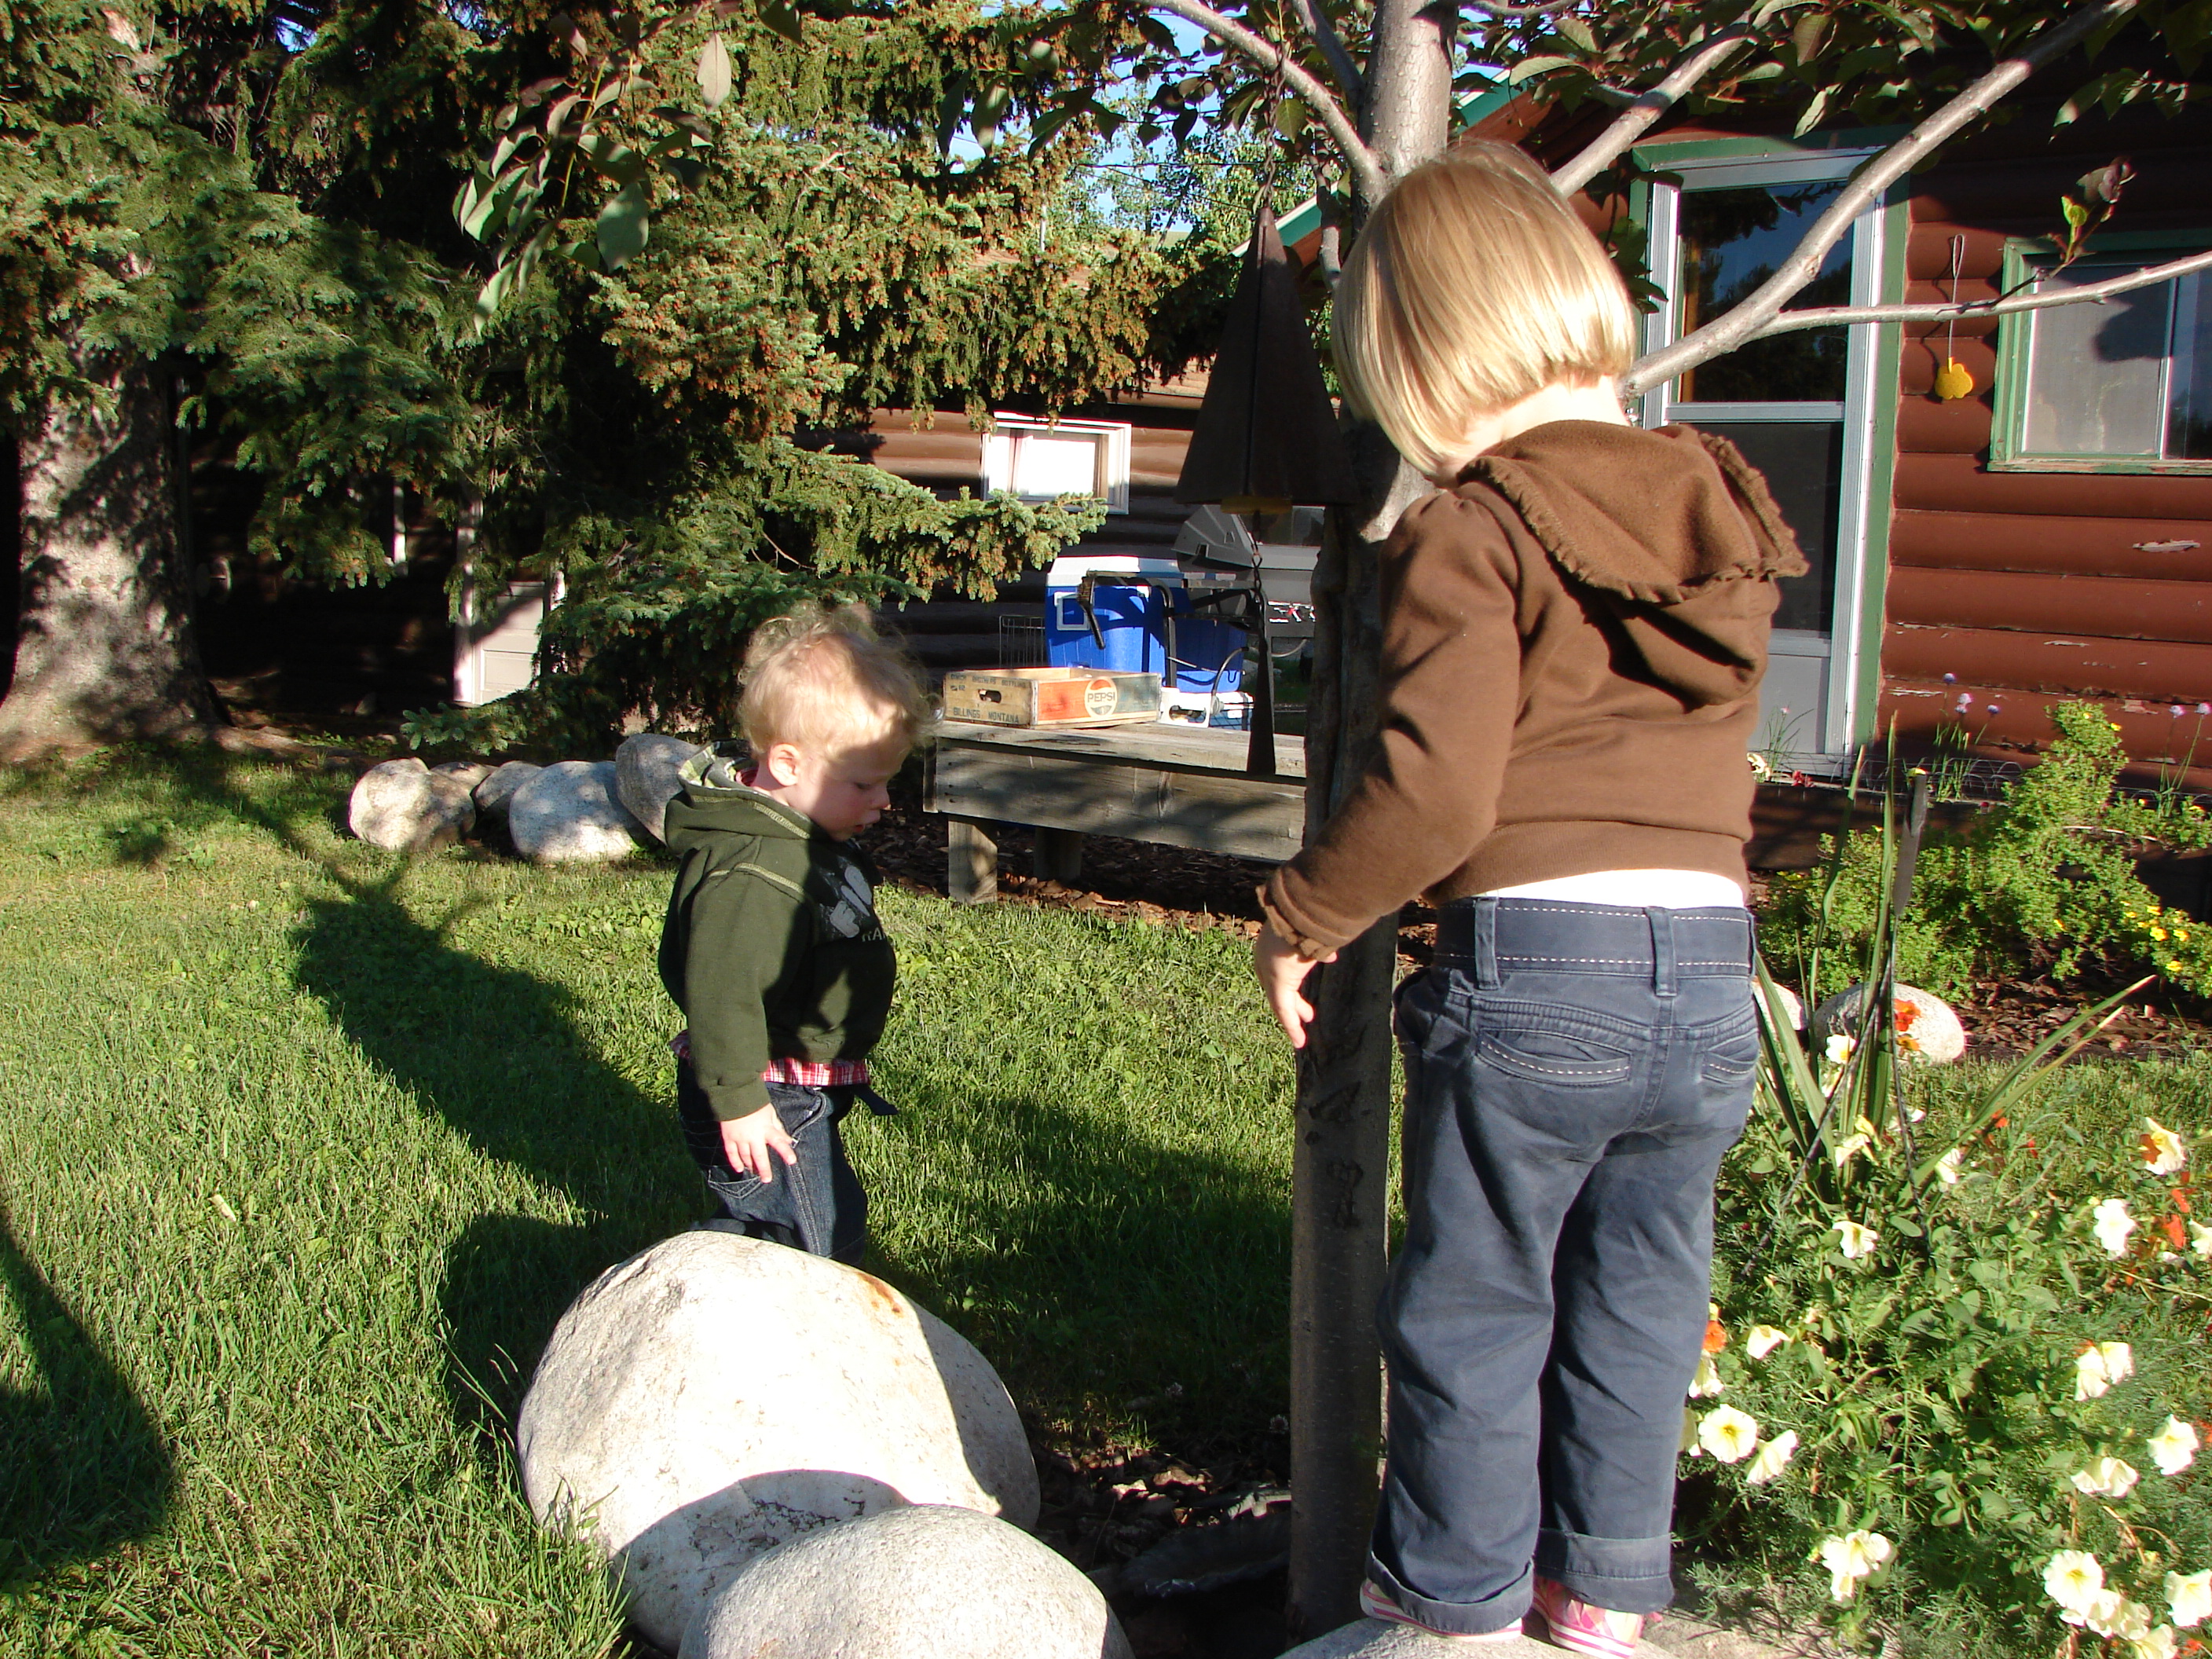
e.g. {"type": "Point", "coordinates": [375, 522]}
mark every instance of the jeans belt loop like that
{"type": "Point", "coordinates": [1663, 950]}
{"type": "Point", "coordinates": [1485, 944]}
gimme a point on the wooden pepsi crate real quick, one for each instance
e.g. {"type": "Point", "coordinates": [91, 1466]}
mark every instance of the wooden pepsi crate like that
{"type": "Point", "coordinates": [1050, 697]}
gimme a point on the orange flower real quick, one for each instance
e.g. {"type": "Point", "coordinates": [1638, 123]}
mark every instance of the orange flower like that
{"type": "Point", "coordinates": [1904, 1013]}
{"type": "Point", "coordinates": [1715, 1336]}
{"type": "Point", "coordinates": [2175, 1231]}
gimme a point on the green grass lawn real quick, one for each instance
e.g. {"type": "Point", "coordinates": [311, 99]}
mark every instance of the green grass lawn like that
{"type": "Point", "coordinates": [306, 1148]}
{"type": "Point", "coordinates": [303, 1149]}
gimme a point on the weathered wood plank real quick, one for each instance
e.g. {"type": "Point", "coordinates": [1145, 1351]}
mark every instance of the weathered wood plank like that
{"type": "Point", "coordinates": [1168, 744]}
{"type": "Point", "coordinates": [2079, 606]}
{"type": "Point", "coordinates": [2145, 549]}
{"type": "Point", "coordinates": [1213, 812]}
{"type": "Point", "coordinates": [971, 861]}
{"type": "Point", "coordinates": [1059, 856]}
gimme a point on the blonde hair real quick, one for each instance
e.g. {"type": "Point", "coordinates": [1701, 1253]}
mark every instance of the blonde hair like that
{"type": "Point", "coordinates": [1473, 285]}
{"type": "Point", "coordinates": [823, 680]}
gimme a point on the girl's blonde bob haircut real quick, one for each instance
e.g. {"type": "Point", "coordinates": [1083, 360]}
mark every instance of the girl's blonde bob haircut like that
{"type": "Point", "coordinates": [823, 681]}
{"type": "Point", "coordinates": [1473, 285]}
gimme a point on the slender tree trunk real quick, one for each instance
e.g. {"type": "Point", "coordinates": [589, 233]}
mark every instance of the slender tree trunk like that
{"type": "Point", "coordinates": [105, 649]}
{"type": "Point", "coordinates": [1341, 1162]}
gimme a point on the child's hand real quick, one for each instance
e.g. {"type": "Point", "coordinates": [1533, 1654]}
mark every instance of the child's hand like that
{"type": "Point", "coordinates": [1282, 970]}
{"type": "Point", "coordinates": [746, 1142]}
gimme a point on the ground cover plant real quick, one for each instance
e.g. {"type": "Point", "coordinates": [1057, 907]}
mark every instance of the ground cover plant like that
{"type": "Point", "coordinates": [306, 1148]}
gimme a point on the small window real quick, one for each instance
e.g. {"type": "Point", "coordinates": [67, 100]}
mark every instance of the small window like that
{"type": "Point", "coordinates": [2122, 385]}
{"type": "Point", "coordinates": [1037, 461]}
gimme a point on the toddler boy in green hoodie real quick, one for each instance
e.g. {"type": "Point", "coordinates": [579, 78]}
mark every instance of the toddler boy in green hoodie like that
{"type": "Point", "coordinates": [771, 947]}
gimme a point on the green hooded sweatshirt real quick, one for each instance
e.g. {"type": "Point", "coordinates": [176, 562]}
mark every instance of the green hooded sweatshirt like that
{"type": "Point", "coordinates": [772, 948]}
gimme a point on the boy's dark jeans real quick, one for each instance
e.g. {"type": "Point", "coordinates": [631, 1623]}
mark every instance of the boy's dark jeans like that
{"type": "Point", "coordinates": [816, 1205]}
{"type": "Point", "coordinates": [1574, 1073]}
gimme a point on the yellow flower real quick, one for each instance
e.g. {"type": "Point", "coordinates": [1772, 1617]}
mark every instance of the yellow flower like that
{"type": "Point", "coordinates": [2172, 967]}
{"type": "Point", "coordinates": [2163, 1152]}
{"type": "Point", "coordinates": [1852, 1558]}
{"type": "Point", "coordinates": [2071, 1578]}
{"type": "Point", "coordinates": [2157, 933]}
{"type": "Point", "coordinates": [2173, 1448]}
{"type": "Point", "coordinates": [1728, 1434]}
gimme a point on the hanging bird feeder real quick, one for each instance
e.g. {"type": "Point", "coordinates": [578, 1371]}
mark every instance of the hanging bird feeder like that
{"type": "Point", "coordinates": [1267, 437]}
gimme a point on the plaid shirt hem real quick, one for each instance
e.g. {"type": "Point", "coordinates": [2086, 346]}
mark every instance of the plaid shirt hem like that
{"type": "Point", "coordinates": [804, 1074]}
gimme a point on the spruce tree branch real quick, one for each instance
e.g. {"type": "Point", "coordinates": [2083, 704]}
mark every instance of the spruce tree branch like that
{"type": "Point", "coordinates": [1316, 97]}
{"type": "Point", "coordinates": [1332, 48]}
{"type": "Point", "coordinates": [1633, 122]}
{"type": "Point", "coordinates": [1741, 322]}
{"type": "Point", "coordinates": [1833, 316]}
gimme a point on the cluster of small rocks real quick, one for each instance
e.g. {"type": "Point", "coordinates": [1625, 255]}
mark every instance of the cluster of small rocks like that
{"type": "Point", "coordinates": [570, 812]}
{"type": "Point", "coordinates": [777, 1454]}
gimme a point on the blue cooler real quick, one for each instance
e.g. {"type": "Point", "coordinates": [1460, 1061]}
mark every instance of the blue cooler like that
{"type": "Point", "coordinates": [1143, 612]}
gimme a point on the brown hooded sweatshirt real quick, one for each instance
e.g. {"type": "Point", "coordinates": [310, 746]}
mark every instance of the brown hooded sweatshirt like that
{"type": "Point", "coordinates": [1573, 639]}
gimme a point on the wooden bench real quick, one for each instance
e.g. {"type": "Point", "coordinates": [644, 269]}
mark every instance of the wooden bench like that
{"type": "Point", "coordinates": [1185, 785]}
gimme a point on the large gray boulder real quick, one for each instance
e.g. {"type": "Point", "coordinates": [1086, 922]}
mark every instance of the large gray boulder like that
{"type": "Point", "coordinates": [494, 794]}
{"type": "Point", "coordinates": [928, 1582]}
{"type": "Point", "coordinates": [470, 773]}
{"type": "Point", "coordinates": [648, 770]}
{"type": "Point", "coordinates": [1928, 1031]}
{"type": "Point", "coordinates": [403, 807]}
{"type": "Point", "coordinates": [716, 1396]}
{"type": "Point", "coordinates": [571, 814]}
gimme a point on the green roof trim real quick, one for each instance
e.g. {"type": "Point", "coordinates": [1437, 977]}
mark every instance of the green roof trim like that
{"type": "Point", "coordinates": [1475, 105]}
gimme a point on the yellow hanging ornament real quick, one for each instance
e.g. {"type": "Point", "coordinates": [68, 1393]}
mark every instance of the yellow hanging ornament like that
{"type": "Point", "coordinates": [1953, 382]}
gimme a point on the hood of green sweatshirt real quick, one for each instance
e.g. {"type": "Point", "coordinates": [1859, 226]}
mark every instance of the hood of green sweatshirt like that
{"type": "Point", "coordinates": [716, 800]}
{"type": "Point", "coordinates": [1677, 553]}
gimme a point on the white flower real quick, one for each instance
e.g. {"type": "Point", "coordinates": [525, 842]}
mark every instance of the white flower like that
{"type": "Point", "coordinates": [1850, 1147]}
{"type": "Point", "coordinates": [2173, 1448]}
{"type": "Point", "coordinates": [1855, 1239]}
{"type": "Point", "coordinates": [2163, 1153]}
{"type": "Point", "coordinates": [1707, 1383]}
{"type": "Point", "coordinates": [2200, 1238]}
{"type": "Point", "coordinates": [2155, 1644]}
{"type": "Point", "coordinates": [1761, 1340]}
{"type": "Point", "coordinates": [1690, 1445]}
{"type": "Point", "coordinates": [2189, 1597]}
{"type": "Point", "coordinates": [2107, 1477]}
{"type": "Point", "coordinates": [2071, 1578]}
{"type": "Point", "coordinates": [2108, 1613]}
{"type": "Point", "coordinates": [1840, 1047]}
{"type": "Point", "coordinates": [2101, 1364]}
{"type": "Point", "coordinates": [1772, 1458]}
{"type": "Point", "coordinates": [1728, 1434]}
{"type": "Point", "coordinates": [1948, 1167]}
{"type": "Point", "coordinates": [2112, 1226]}
{"type": "Point", "coordinates": [1851, 1557]}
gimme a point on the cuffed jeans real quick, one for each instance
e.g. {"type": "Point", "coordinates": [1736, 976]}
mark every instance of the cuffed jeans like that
{"type": "Point", "coordinates": [1574, 1074]}
{"type": "Point", "coordinates": [816, 1205]}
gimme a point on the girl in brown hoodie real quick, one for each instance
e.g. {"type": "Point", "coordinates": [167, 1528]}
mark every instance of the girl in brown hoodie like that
{"type": "Point", "coordinates": [1575, 629]}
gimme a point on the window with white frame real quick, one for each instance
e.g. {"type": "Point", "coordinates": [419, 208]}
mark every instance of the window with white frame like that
{"type": "Point", "coordinates": [1798, 405]}
{"type": "Point", "coordinates": [2122, 385]}
{"type": "Point", "coordinates": [1040, 460]}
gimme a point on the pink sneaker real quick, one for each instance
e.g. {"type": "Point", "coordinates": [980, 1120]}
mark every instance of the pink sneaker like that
{"type": "Point", "coordinates": [1376, 1605]}
{"type": "Point", "coordinates": [1581, 1628]}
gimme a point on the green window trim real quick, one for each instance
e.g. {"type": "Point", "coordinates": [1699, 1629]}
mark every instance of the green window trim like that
{"type": "Point", "coordinates": [2007, 426]}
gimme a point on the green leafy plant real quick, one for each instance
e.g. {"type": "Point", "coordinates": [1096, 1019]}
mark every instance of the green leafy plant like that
{"type": "Point", "coordinates": [2045, 878]}
{"type": "Point", "coordinates": [1941, 1351]}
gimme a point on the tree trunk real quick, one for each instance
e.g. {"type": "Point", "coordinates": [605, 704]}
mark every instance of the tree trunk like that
{"type": "Point", "coordinates": [1340, 1164]}
{"type": "Point", "coordinates": [105, 650]}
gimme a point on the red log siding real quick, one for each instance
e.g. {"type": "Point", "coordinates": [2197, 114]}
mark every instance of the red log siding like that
{"type": "Point", "coordinates": [2034, 588]}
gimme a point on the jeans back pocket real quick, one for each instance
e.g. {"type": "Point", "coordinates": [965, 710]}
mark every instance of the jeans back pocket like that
{"type": "Point", "coordinates": [1558, 1058]}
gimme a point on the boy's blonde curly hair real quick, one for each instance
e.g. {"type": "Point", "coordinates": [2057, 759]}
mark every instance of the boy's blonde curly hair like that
{"type": "Point", "coordinates": [822, 680]}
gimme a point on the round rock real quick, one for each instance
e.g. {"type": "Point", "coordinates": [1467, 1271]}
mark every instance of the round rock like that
{"type": "Point", "coordinates": [494, 793]}
{"type": "Point", "coordinates": [942, 1582]}
{"type": "Point", "coordinates": [648, 770]}
{"type": "Point", "coordinates": [1792, 1008]}
{"type": "Point", "coordinates": [1928, 1030]}
{"type": "Point", "coordinates": [470, 773]}
{"type": "Point", "coordinates": [716, 1396]}
{"type": "Point", "coordinates": [571, 814]}
{"type": "Point", "coordinates": [405, 807]}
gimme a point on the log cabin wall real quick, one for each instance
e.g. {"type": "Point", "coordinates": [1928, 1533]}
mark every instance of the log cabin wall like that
{"type": "Point", "coordinates": [2033, 588]}
{"type": "Point", "coordinates": [948, 630]}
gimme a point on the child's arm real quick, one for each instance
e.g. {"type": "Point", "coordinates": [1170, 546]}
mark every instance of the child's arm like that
{"type": "Point", "coordinates": [748, 1140]}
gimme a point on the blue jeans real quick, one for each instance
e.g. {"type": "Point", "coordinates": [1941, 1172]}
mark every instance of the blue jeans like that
{"type": "Point", "coordinates": [1574, 1074]}
{"type": "Point", "coordinates": [816, 1205]}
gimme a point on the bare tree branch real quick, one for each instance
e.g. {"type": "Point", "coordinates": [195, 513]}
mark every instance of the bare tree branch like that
{"type": "Point", "coordinates": [1316, 96]}
{"type": "Point", "coordinates": [1832, 316]}
{"type": "Point", "coordinates": [1543, 8]}
{"type": "Point", "coordinates": [1733, 327]}
{"type": "Point", "coordinates": [1633, 122]}
{"type": "Point", "coordinates": [1332, 48]}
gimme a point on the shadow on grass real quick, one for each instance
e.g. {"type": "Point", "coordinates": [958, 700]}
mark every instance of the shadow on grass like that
{"type": "Point", "coordinates": [82, 1467]}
